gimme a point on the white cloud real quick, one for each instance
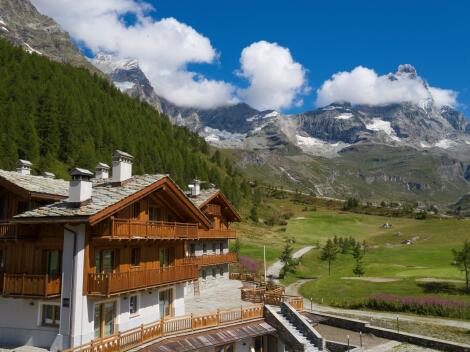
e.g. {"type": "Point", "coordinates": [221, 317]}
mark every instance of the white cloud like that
{"type": "Point", "coordinates": [276, 80]}
{"type": "Point", "coordinates": [163, 47]}
{"type": "Point", "coordinates": [364, 86]}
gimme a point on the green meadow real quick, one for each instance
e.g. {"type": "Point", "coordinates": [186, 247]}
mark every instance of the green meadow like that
{"type": "Point", "coordinates": [422, 268]}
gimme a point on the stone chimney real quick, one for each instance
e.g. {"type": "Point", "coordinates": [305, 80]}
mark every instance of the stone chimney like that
{"type": "Point", "coordinates": [102, 171]}
{"type": "Point", "coordinates": [122, 166]}
{"type": "Point", "coordinates": [80, 187]}
{"type": "Point", "coordinates": [23, 167]}
{"type": "Point", "coordinates": [47, 174]}
{"type": "Point", "coordinates": [195, 187]}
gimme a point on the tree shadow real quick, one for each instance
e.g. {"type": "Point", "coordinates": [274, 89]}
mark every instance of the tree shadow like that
{"type": "Point", "coordinates": [443, 287]}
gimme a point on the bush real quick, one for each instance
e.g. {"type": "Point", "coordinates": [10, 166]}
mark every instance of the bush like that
{"type": "Point", "coordinates": [249, 264]}
{"type": "Point", "coordinates": [426, 305]}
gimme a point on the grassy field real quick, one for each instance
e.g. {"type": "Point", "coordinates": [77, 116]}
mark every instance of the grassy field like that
{"type": "Point", "coordinates": [418, 269]}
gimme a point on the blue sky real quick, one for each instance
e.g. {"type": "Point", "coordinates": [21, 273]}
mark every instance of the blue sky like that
{"type": "Point", "coordinates": [311, 40]}
{"type": "Point", "coordinates": [331, 36]}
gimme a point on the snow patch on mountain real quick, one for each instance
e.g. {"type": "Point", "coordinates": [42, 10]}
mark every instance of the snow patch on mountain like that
{"type": "Point", "coordinates": [444, 144]}
{"type": "Point", "coordinates": [31, 50]}
{"type": "Point", "coordinates": [378, 125]}
{"type": "Point", "coordinates": [4, 28]}
{"type": "Point", "coordinates": [315, 146]}
{"type": "Point", "coordinates": [108, 64]}
{"type": "Point", "coordinates": [345, 116]}
{"type": "Point", "coordinates": [221, 138]}
{"type": "Point", "coordinates": [263, 116]}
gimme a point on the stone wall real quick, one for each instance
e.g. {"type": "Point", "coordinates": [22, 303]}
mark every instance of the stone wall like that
{"type": "Point", "coordinates": [304, 327]}
{"type": "Point", "coordinates": [419, 340]}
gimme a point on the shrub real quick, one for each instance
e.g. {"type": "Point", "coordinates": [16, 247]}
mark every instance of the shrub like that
{"type": "Point", "coordinates": [249, 264]}
{"type": "Point", "coordinates": [424, 305]}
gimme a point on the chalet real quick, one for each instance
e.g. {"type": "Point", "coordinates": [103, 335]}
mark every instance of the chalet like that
{"type": "Point", "coordinates": [77, 257]}
{"type": "Point", "coordinates": [108, 261]}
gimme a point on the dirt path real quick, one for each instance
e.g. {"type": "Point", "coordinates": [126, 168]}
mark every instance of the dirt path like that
{"type": "Point", "coordinates": [293, 289]}
{"type": "Point", "coordinates": [274, 269]}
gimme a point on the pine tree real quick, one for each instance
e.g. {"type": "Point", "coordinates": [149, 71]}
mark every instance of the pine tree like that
{"type": "Point", "coordinates": [329, 253]}
{"type": "Point", "coordinates": [358, 255]}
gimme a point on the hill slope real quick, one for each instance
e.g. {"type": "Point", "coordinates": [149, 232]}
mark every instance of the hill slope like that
{"type": "Point", "coordinates": [59, 117]}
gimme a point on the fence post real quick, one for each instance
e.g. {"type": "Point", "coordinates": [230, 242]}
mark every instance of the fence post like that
{"type": "Point", "coordinates": [119, 341]}
{"type": "Point", "coordinates": [218, 316]}
{"type": "Point", "coordinates": [192, 325]}
{"type": "Point", "coordinates": [142, 332]}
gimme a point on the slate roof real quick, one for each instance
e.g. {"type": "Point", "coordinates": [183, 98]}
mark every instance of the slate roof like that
{"type": "Point", "coordinates": [203, 196]}
{"type": "Point", "coordinates": [208, 340]}
{"type": "Point", "coordinates": [37, 184]}
{"type": "Point", "coordinates": [103, 196]}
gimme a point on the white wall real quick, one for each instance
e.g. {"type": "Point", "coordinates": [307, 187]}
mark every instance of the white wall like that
{"type": "Point", "coordinates": [20, 323]}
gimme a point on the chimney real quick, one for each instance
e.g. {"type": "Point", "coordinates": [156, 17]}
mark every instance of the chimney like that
{"type": "Point", "coordinates": [195, 187]}
{"type": "Point", "coordinates": [47, 174]}
{"type": "Point", "coordinates": [122, 166]}
{"type": "Point", "coordinates": [102, 171]}
{"type": "Point", "coordinates": [23, 167]}
{"type": "Point", "coordinates": [80, 186]}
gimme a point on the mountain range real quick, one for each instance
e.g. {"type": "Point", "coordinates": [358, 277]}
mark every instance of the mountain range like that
{"type": "Point", "coordinates": [402, 152]}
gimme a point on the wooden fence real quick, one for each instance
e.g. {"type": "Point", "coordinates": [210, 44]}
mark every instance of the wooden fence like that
{"type": "Point", "coordinates": [129, 339]}
{"type": "Point", "coordinates": [31, 285]}
{"type": "Point", "coordinates": [272, 297]}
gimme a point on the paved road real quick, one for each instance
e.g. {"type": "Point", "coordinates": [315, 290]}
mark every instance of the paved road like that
{"type": "Point", "coordinates": [274, 269]}
{"type": "Point", "coordinates": [293, 289]}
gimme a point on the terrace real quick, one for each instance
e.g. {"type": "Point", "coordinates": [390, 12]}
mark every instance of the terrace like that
{"type": "Point", "coordinates": [25, 285]}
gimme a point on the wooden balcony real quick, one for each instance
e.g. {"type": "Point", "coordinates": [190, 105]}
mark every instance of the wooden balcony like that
{"type": "Point", "coordinates": [213, 210]}
{"type": "Point", "coordinates": [217, 234]}
{"type": "Point", "coordinates": [11, 231]}
{"type": "Point", "coordinates": [130, 339]}
{"type": "Point", "coordinates": [26, 285]}
{"type": "Point", "coordinates": [214, 259]}
{"type": "Point", "coordinates": [116, 283]}
{"type": "Point", "coordinates": [127, 229]}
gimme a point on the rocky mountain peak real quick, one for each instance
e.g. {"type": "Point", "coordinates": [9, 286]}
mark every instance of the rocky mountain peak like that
{"type": "Point", "coordinates": [407, 70]}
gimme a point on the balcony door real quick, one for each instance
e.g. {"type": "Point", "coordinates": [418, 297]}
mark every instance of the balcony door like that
{"type": "Point", "coordinates": [165, 303]}
{"type": "Point", "coordinates": [104, 319]}
{"type": "Point", "coordinates": [166, 256]}
{"type": "Point", "coordinates": [105, 261]}
{"type": "Point", "coordinates": [53, 259]}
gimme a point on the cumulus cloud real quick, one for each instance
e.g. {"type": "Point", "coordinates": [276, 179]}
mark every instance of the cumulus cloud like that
{"type": "Point", "coordinates": [276, 80]}
{"type": "Point", "coordinates": [163, 47]}
{"type": "Point", "coordinates": [364, 86]}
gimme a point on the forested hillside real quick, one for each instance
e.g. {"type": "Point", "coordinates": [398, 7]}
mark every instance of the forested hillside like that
{"type": "Point", "coordinates": [59, 117]}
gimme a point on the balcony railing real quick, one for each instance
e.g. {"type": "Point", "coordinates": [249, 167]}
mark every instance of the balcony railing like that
{"type": "Point", "coordinates": [124, 228]}
{"type": "Point", "coordinates": [115, 283]}
{"type": "Point", "coordinates": [27, 285]}
{"type": "Point", "coordinates": [217, 233]}
{"type": "Point", "coordinates": [8, 230]}
{"type": "Point", "coordinates": [213, 210]}
{"type": "Point", "coordinates": [214, 259]}
{"type": "Point", "coordinates": [130, 339]}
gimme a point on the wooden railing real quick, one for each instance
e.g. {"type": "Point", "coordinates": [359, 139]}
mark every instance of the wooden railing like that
{"type": "Point", "coordinates": [251, 277]}
{"type": "Point", "coordinates": [8, 230]}
{"type": "Point", "coordinates": [213, 259]}
{"type": "Point", "coordinates": [31, 285]}
{"type": "Point", "coordinates": [272, 297]}
{"type": "Point", "coordinates": [213, 210]}
{"type": "Point", "coordinates": [217, 233]}
{"type": "Point", "coordinates": [114, 283]}
{"type": "Point", "coordinates": [129, 339]}
{"type": "Point", "coordinates": [125, 228]}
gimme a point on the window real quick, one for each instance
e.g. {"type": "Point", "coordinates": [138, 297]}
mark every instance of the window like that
{"type": "Point", "coordinates": [155, 214]}
{"type": "Point", "coordinates": [134, 305]}
{"type": "Point", "coordinates": [50, 315]}
{"type": "Point", "coordinates": [221, 247]}
{"type": "Point", "coordinates": [104, 316]}
{"type": "Point", "coordinates": [165, 302]}
{"type": "Point", "coordinates": [214, 272]}
{"type": "Point", "coordinates": [221, 270]}
{"type": "Point", "coordinates": [2, 260]}
{"type": "Point", "coordinates": [192, 249]}
{"type": "Point", "coordinates": [136, 210]}
{"type": "Point", "coordinates": [135, 256]}
{"type": "Point", "coordinates": [166, 256]}
{"type": "Point", "coordinates": [3, 208]}
{"type": "Point", "coordinates": [226, 348]}
{"type": "Point", "coordinates": [104, 261]}
{"type": "Point", "coordinates": [258, 344]}
{"type": "Point", "coordinates": [214, 248]}
{"type": "Point", "coordinates": [204, 247]}
{"type": "Point", "coordinates": [53, 262]}
{"type": "Point", "coordinates": [203, 273]}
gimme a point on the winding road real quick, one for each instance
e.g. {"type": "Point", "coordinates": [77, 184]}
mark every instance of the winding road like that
{"type": "Point", "coordinates": [275, 268]}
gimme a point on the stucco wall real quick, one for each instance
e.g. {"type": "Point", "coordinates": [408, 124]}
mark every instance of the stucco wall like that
{"type": "Point", "coordinates": [20, 323]}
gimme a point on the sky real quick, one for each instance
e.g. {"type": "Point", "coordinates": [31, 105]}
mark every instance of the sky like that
{"type": "Point", "coordinates": [286, 55]}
